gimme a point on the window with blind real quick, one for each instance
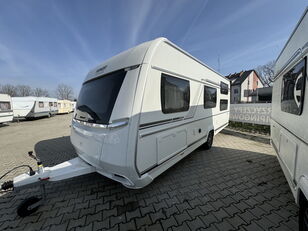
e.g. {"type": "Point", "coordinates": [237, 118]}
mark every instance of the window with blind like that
{"type": "Point", "coordinates": [210, 97]}
{"type": "Point", "coordinates": [175, 94]}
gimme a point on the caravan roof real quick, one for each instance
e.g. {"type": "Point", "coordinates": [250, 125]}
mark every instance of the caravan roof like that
{"type": "Point", "coordinates": [295, 47]}
{"type": "Point", "coordinates": [135, 56]}
{"type": "Point", "coordinates": [33, 98]}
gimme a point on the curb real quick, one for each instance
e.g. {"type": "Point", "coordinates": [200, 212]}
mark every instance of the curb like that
{"type": "Point", "coordinates": [258, 138]}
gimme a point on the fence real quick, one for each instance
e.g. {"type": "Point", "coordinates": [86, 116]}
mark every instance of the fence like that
{"type": "Point", "coordinates": [257, 113]}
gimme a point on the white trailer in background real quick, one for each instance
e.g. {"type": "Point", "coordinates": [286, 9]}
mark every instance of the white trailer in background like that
{"type": "Point", "coordinates": [34, 107]}
{"type": "Point", "coordinates": [139, 113]}
{"type": "Point", "coordinates": [289, 128]}
{"type": "Point", "coordinates": [6, 112]}
{"type": "Point", "coordinates": [65, 106]}
{"type": "Point", "coordinates": [73, 106]}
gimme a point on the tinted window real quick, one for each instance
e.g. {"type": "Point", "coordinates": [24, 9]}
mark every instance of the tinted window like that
{"type": "Point", "coordinates": [5, 106]}
{"type": "Point", "coordinates": [223, 104]}
{"type": "Point", "coordinates": [97, 98]}
{"type": "Point", "coordinates": [293, 85]}
{"type": "Point", "coordinates": [210, 97]}
{"type": "Point", "coordinates": [175, 94]}
{"type": "Point", "coordinates": [41, 104]}
{"type": "Point", "coordinates": [224, 88]}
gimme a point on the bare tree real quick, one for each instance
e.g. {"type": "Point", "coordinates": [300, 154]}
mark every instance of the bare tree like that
{"type": "Point", "coordinates": [266, 72]}
{"type": "Point", "coordinates": [23, 90]}
{"type": "Point", "coordinates": [64, 91]}
{"type": "Point", "coordinates": [8, 89]}
{"type": "Point", "coordinates": [40, 92]}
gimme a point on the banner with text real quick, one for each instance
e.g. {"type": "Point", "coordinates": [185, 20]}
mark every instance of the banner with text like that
{"type": "Point", "coordinates": [258, 113]}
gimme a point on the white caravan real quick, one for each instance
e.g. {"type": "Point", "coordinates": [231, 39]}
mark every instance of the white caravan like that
{"type": "Point", "coordinates": [6, 112]}
{"type": "Point", "coordinates": [289, 126]}
{"type": "Point", "coordinates": [145, 109]}
{"type": "Point", "coordinates": [34, 107]}
{"type": "Point", "coordinates": [138, 114]}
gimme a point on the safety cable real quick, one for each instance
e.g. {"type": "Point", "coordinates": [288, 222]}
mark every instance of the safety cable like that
{"type": "Point", "coordinates": [20, 166]}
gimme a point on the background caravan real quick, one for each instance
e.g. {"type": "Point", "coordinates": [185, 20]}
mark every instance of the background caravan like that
{"type": "Point", "coordinates": [34, 107]}
{"type": "Point", "coordinates": [138, 114]}
{"type": "Point", "coordinates": [6, 112]}
{"type": "Point", "coordinates": [157, 104]}
{"type": "Point", "coordinates": [289, 129]}
{"type": "Point", "coordinates": [65, 106]}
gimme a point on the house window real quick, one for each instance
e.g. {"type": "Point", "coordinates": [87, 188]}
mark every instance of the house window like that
{"type": "Point", "coordinates": [210, 97]}
{"type": "Point", "coordinates": [223, 104]}
{"type": "Point", "coordinates": [235, 91]}
{"type": "Point", "coordinates": [292, 92]}
{"type": "Point", "coordinates": [224, 88]}
{"type": "Point", "coordinates": [41, 104]}
{"type": "Point", "coordinates": [175, 94]}
{"type": "Point", "coordinates": [5, 106]}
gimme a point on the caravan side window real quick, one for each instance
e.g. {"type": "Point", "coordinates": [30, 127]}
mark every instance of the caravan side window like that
{"type": "Point", "coordinates": [210, 97]}
{"type": "Point", "coordinates": [5, 106]}
{"type": "Point", "coordinates": [223, 104]}
{"type": "Point", "coordinates": [175, 94]}
{"type": "Point", "coordinates": [50, 104]}
{"type": "Point", "coordinates": [292, 92]}
{"type": "Point", "coordinates": [224, 88]}
{"type": "Point", "coordinates": [41, 104]}
{"type": "Point", "coordinates": [55, 104]}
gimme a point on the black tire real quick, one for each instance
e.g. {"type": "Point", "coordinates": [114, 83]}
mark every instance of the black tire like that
{"type": "Point", "coordinates": [303, 214]}
{"type": "Point", "coordinates": [23, 209]}
{"type": "Point", "coordinates": [208, 144]}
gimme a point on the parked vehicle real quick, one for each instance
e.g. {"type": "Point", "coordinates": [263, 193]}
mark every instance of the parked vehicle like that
{"type": "Point", "coordinates": [34, 107]}
{"type": "Point", "coordinates": [73, 105]}
{"type": "Point", "coordinates": [6, 112]}
{"type": "Point", "coordinates": [137, 115]}
{"type": "Point", "coordinates": [289, 127]}
{"type": "Point", "coordinates": [64, 106]}
{"type": "Point", "coordinates": [145, 109]}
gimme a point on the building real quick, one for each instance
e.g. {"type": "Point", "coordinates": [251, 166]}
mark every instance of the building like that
{"type": "Point", "coordinates": [242, 86]}
{"type": "Point", "coordinates": [262, 95]}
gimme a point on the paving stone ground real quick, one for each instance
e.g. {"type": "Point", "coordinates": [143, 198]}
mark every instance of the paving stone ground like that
{"type": "Point", "coordinates": [237, 185]}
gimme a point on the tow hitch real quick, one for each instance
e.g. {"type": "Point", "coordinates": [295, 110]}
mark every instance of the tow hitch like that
{"type": "Point", "coordinates": [68, 169]}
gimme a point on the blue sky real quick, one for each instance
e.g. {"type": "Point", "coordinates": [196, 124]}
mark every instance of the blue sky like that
{"type": "Point", "coordinates": [44, 43]}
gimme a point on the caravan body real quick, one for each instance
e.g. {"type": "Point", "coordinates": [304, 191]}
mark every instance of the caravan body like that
{"type": "Point", "coordinates": [145, 109]}
{"type": "Point", "coordinates": [53, 106]}
{"type": "Point", "coordinates": [289, 129]}
{"type": "Point", "coordinates": [34, 107]}
{"type": "Point", "coordinates": [6, 111]}
{"type": "Point", "coordinates": [64, 106]}
{"type": "Point", "coordinates": [73, 105]}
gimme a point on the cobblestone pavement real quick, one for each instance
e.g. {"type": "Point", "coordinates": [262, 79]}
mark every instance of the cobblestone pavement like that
{"type": "Point", "coordinates": [237, 185]}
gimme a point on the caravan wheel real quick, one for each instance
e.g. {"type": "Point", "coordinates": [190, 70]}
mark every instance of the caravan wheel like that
{"type": "Point", "coordinates": [209, 141]}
